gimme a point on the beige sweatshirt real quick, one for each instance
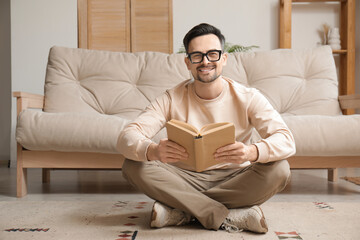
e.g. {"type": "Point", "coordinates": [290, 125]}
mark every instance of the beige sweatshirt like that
{"type": "Point", "coordinates": [246, 107]}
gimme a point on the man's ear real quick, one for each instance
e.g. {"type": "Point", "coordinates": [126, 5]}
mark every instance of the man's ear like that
{"type": "Point", "coordinates": [225, 56]}
{"type": "Point", "coordinates": [187, 62]}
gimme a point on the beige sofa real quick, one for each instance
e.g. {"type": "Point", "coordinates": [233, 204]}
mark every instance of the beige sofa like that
{"type": "Point", "coordinates": [91, 95]}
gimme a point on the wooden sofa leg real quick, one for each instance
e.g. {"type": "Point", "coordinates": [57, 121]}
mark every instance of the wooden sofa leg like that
{"type": "Point", "coordinates": [21, 185]}
{"type": "Point", "coordinates": [21, 177]}
{"type": "Point", "coordinates": [333, 174]}
{"type": "Point", "coordinates": [45, 175]}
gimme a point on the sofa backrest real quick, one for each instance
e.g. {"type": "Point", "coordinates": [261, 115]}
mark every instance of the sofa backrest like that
{"type": "Point", "coordinates": [112, 83]}
{"type": "Point", "coordinates": [295, 82]}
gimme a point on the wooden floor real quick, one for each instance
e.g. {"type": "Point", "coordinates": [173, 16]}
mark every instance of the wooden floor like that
{"type": "Point", "coordinates": [70, 185]}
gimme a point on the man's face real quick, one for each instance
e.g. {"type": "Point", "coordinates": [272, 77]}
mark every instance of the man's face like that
{"type": "Point", "coordinates": [205, 71]}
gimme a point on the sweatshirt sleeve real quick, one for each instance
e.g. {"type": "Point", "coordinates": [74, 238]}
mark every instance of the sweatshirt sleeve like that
{"type": "Point", "coordinates": [277, 141]}
{"type": "Point", "coordinates": [134, 140]}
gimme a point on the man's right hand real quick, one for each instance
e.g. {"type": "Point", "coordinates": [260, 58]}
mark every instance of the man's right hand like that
{"type": "Point", "coordinates": [166, 151]}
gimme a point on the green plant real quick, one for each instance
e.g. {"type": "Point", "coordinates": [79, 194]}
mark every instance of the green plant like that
{"type": "Point", "coordinates": [238, 48]}
{"type": "Point", "coordinates": [229, 47]}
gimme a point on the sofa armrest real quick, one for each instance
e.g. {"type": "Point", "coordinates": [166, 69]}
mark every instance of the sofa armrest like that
{"type": "Point", "coordinates": [350, 101]}
{"type": "Point", "coordinates": [28, 100]}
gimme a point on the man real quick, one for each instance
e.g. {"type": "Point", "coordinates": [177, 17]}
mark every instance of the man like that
{"type": "Point", "coordinates": [227, 195]}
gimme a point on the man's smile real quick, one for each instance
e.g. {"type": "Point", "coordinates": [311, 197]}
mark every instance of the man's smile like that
{"type": "Point", "coordinates": [206, 69]}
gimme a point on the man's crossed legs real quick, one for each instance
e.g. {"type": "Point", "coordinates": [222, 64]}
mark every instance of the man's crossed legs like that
{"type": "Point", "coordinates": [214, 197]}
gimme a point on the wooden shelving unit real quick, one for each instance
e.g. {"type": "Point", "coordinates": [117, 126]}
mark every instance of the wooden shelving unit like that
{"type": "Point", "coordinates": [347, 36]}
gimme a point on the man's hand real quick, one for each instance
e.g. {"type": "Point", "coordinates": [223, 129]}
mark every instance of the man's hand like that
{"type": "Point", "coordinates": [166, 151]}
{"type": "Point", "coordinates": [236, 153]}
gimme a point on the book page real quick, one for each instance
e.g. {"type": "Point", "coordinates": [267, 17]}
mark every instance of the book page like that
{"type": "Point", "coordinates": [185, 126]}
{"type": "Point", "coordinates": [211, 141]}
{"type": "Point", "coordinates": [213, 127]}
{"type": "Point", "coordinates": [184, 138]}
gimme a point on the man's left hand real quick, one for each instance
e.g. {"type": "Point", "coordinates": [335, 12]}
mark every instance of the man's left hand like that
{"type": "Point", "coordinates": [236, 153]}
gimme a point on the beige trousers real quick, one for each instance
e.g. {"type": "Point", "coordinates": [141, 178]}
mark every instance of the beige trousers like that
{"type": "Point", "coordinates": [209, 195]}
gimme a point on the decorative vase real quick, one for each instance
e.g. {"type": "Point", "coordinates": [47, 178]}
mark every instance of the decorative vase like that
{"type": "Point", "coordinates": [334, 39]}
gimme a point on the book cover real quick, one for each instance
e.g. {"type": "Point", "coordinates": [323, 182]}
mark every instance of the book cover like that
{"type": "Point", "coordinates": [201, 144]}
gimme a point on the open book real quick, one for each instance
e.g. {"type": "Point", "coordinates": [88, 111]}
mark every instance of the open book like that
{"type": "Point", "coordinates": [200, 144]}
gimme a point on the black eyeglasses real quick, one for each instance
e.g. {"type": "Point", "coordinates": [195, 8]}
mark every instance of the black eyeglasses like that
{"type": "Point", "coordinates": [198, 57]}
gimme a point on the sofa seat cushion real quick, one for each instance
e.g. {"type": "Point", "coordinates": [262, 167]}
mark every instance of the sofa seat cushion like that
{"type": "Point", "coordinates": [69, 132]}
{"type": "Point", "coordinates": [317, 135]}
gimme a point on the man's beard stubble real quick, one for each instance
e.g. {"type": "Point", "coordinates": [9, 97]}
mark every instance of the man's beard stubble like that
{"type": "Point", "coordinates": [213, 78]}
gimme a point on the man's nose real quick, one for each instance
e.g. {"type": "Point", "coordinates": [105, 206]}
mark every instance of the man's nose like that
{"type": "Point", "coordinates": [205, 60]}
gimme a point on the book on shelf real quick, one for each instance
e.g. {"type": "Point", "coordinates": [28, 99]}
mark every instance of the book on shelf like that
{"type": "Point", "coordinates": [201, 144]}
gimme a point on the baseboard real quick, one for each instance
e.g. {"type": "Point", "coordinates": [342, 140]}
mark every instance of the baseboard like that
{"type": "Point", "coordinates": [4, 163]}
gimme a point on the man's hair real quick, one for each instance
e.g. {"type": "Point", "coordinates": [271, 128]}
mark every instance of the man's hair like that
{"type": "Point", "coordinates": [200, 30]}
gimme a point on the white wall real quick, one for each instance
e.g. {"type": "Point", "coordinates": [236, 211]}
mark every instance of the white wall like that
{"type": "Point", "coordinates": [39, 24]}
{"type": "Point", "coordinates": [5, 80]}
{"type": "Point", "coordinates": [36, 26]}
{"type": "Point", "coordinates": [307, 22]}
{"type": "Point", "coordinates": [253, 22]}
{"type": "Point", "coordinates": [357, 52]}
{"type": "Point", "coordinates": [241, 21]}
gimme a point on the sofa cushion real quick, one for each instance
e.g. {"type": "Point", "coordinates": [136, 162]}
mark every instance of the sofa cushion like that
{"type": "Point", "coordinates": [296, 82]}
{"type": "Point", "coordinates": [81, 132]}
{"type": "Point", "coordinates": [111, 83]}
{"type": "Point", "coordinates": [325, 135]}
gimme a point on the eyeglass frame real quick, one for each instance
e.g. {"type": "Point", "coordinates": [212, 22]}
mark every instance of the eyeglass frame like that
{"type": "Point", "coordinates": [206, 55]}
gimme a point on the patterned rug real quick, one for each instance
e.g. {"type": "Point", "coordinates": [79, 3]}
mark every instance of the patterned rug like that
{"type": "Point", "coordinates": [355, 180]}
{"type": "Point", "coordinates": [123, 220]}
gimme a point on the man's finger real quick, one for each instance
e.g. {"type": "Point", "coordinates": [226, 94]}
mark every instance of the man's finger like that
{"type": "Point", "coordinates": [176, 146]}
{"type": "Point", "coordinates": [177, 155]}
{"type": "Point", "coordinates": [228, 147]}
